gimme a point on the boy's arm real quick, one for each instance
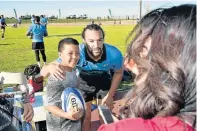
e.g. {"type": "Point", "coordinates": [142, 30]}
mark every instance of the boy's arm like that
{"type": "Point", "coordinates": [57, 111]}
{"type": "Point", "coordinates": [53, 99]}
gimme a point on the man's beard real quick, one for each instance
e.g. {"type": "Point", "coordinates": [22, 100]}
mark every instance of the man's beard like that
{"type": "Point", "coordinates": [96, 54]}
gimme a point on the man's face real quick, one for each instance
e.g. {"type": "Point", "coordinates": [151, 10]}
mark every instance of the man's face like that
{"type": "Point", "coordinates": [94, 42]}
{"type": "Point", "coordinates": [70, 55]}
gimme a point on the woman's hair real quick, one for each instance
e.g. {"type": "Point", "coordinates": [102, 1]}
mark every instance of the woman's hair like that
{"type": "Point", "coordinates": [165, 85]}
{"type": "Point", "coordinates": [66, 41]}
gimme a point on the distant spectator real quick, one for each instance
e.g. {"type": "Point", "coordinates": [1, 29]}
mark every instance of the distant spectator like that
{"type": "Point", "coordinates": [92, 22]}
{"type": "Point", "coordinates": [19, 21]}
{"type": "Point", "coordinates": [3, 25]}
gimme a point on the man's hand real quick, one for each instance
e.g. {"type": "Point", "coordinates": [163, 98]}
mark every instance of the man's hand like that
{"type": "Point", "coordinates": [28, 112]}
{"type": "Point", "coordinates": [53, 69]}
{"type": "Point", "coordinates": [56, 71]}
{"type": "Point", "coordinates": [108, 101]}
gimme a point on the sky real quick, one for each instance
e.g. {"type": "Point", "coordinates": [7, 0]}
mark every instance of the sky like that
{"type": "Point", "coordinates": [93, 8]}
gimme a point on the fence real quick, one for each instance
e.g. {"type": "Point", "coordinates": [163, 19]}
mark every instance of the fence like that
{"type": "Point", "coordinates": [98, 19]}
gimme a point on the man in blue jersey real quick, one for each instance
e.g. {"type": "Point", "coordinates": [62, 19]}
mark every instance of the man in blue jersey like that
{"type": "Point", "coordinates": [38, 31]}
{"type": "Point", "coordinates": [97, 61]}
{"type": "Point", "coordinates": [2, 25]}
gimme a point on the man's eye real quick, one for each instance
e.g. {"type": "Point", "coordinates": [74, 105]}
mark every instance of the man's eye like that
{"type": "Point", "coordinates": [91, 41]}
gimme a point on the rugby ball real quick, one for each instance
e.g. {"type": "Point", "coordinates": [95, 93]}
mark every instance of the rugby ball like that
{"type": "Point", "coordinates": [72, 98]}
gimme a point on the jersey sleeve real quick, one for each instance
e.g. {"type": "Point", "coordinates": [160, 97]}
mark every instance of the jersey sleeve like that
{"type": "Point", "coordinates": [118, 61]}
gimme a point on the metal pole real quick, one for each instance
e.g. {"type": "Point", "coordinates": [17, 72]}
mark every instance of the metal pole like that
{"type": "Point", "coordinates": [140, 9]}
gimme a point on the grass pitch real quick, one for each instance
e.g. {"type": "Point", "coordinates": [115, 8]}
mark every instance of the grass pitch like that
{"type": "Point", "coordinates": [16, 52]}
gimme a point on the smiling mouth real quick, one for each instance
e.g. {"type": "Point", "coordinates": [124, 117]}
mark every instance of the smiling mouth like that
{"type": "Point", "coordinates": [97, 51]}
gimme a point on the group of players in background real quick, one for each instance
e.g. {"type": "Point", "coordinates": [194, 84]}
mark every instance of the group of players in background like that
{"type": "Point", "coordinates": [36, 31]}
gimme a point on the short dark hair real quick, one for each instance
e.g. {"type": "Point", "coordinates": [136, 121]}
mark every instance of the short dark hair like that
{"type": "Point", "coordinates": [67, 41]}
{"type": "Point", "coordinates": [92, 27]}
{"type": "Point", "coordinates": [37, 19]}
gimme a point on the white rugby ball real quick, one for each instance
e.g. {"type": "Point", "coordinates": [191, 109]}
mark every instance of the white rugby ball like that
{"type": "Point", "coordinates": [72, 99]}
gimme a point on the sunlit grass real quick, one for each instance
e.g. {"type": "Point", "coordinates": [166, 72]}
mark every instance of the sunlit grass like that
{"type": "Point", "coordinates": [16, 52]}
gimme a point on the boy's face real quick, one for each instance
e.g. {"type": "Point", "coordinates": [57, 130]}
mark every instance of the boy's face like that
{"type": "Point", "coordinates": [94, 42]}
{"type": "Point", "coordinates": [70, 55]}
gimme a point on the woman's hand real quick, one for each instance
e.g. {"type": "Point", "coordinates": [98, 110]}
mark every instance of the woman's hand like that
{"type": "Point", "coordinates": [28, 112]}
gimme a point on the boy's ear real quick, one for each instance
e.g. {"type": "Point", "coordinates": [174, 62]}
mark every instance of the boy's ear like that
{"type": "Point", "coordinates": [84, 41]}
{"type": "Point", "coordinates": [59, 54]}
{"type": "Point", "coordinates": [146, 48]}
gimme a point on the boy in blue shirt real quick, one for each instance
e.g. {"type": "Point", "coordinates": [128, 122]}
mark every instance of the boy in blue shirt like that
{"type": "Point", "coordinates": [38, 31]}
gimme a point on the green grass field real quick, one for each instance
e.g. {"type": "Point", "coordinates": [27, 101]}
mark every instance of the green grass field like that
{"type": "Point", "coordinates": [16, 51]}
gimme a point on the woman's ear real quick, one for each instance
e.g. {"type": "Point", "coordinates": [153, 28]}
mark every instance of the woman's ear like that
{"type": "Point", "coordinates": [131, 66]}
{"type": "Point", "coordinates": [146, 48]}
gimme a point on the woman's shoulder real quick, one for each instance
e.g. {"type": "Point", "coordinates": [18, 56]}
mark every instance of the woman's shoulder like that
{"type": "Point", "coordinates": [155, 124]}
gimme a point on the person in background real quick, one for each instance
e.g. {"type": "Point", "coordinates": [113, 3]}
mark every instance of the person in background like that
{"type": "Point", "coordinates": [38, 31]}
{"type": "Point", "coordinates": [33, 19]}
{"type": "Point", "coordinates": [43, 21]}
{"type": "Point", "coordinates": [19, 21]}
{"type": "Point", "coordinates": [162, 54]}
{"type": "Point", "coordinates": [2, 25]}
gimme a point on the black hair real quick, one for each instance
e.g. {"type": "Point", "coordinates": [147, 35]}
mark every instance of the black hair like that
{"type": "Point", "coordinates": [67, 41]}
{"type": "Point", "coordinates": [37, 19]}
{"type": "Point", "coordinates": [92, 27]}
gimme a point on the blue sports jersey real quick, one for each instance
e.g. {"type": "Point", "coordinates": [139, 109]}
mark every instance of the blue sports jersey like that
{"type": "Point", "coordinates": [112, 61]}
{"type": "Point", "coordinates": [43, 21]}
{"type": "Point", "coordinates": [39, 31]}
{"type": "Point", "coordinates": [2, 21]}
